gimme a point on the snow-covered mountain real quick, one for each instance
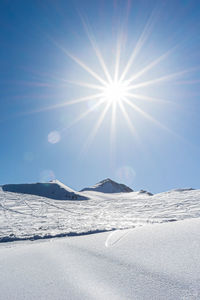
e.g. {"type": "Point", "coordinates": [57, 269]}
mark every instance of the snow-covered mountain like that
{"type": "Point", "coordinates": [108, 186]}
{"type": "Point", "coordinates": [53, 189]}
{"type": "Point", "coordinates": [161, 261]}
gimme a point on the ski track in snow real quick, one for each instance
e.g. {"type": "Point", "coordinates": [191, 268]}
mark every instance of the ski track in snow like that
{"type": "Point", "coordinates": [32, 217]}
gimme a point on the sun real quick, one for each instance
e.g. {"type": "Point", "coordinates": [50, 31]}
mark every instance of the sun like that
{"type": "Point", "coordinates": [115, 92]}
{"type": "Point", "coordinates": [118, 88]}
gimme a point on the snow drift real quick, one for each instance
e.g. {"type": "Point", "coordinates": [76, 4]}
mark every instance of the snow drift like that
{"type": "Point", "coordinates": [53, 189]}
{"type": "Point", "coordinates": [150, 262]}
{"type": "Point", "coordinates": [108, 186]}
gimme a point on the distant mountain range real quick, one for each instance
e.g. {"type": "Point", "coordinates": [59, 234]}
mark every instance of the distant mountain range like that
{"type": "Point", "coordinates": [59, 191]}
{"type": "Point", "coordinates": [55, 189]}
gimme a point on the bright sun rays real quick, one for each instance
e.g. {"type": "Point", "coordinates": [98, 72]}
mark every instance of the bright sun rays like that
{"type": "Point", "coordinates": [118, 90]}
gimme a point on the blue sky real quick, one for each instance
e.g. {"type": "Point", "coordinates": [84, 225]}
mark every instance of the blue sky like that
{"type": "Point", "coordinates": [154, 144]}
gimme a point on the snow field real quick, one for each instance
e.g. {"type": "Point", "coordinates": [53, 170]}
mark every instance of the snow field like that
{"type": "Point", "coordinates": [32, 217]}
{"type": "Point", "coordinates": [159, 261]}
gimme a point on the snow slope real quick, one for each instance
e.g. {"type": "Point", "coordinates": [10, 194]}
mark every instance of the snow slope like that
{"type": "Point", "coordinates": [108, 186]}
{"type": "Point", "coordinates": [53, 189]}
{"type": "Point", "coordinates": [31, 217]}
{"type": "Point", "coordinates": [159, 261]}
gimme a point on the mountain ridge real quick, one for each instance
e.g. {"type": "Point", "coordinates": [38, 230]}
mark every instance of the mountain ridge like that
{"type": "Point", "coordinates": [53, 189]}
{"type": "Point", "coordinates": [108, 186]}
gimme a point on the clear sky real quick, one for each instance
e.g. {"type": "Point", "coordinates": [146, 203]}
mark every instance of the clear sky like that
{"type": "Point", "coordinates": [100, 88]}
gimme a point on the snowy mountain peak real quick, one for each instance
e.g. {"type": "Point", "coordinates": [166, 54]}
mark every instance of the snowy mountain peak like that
{"type": "Point", "coordinates": [53, 189]}
{"type": "Point", "coordinates": [108, 186]}
{"type": "Point", "coordinates": [106, 180]}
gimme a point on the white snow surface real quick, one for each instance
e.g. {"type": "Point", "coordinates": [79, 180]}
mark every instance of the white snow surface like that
{"type": "Point", "coordinates": [108, 186]}
{"type": "Point", "coordinates": [159, 261]}
{"type": "Point", "coordinates": [24, 216]}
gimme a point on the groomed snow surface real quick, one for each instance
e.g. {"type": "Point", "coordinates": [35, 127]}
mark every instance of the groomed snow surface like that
{"type": "Point", "coordinates": [151, 252]}
{"type": "Point", "coordinates": [159, 261]}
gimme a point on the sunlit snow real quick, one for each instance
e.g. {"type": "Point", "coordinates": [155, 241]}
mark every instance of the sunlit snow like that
{"type": "Point", "coordinates": [28, 216]}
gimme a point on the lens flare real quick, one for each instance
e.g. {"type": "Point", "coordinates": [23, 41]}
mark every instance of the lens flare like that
{"type": "Point", "coordinates": [47, 175]}
{"type": "Point", "coordinates": [126, 174]}
{"type": "Point", "coordinates": [54, 137]}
